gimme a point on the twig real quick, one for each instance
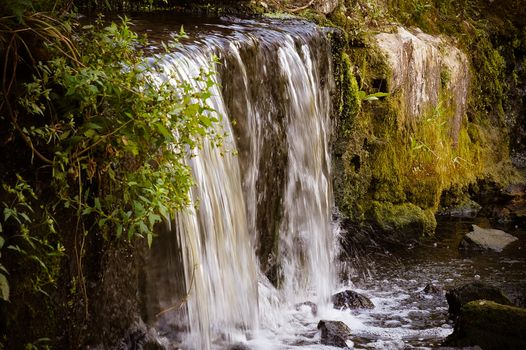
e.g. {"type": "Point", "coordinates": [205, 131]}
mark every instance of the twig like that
{"type": "Point", "coordinates": [296, 9]}
{"type": "Point", "coordinates": [26, 139]}
{"type": "Point", "coordinates": [183, 300]}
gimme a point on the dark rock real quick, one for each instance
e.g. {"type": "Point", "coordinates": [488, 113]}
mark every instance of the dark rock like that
{"type": "Point", "coordinates": [466, 209]}
{"type": "Point", "coordinates": [486, 239]}
{"type": "Point", "coordinates": [349, 299]}
{"type": "Point", "coordinates": [514, 190]}
{"type": "Point", "coordinates": [313, 307]}
{"type": "Point", "coordinates": [140, 337]}
{"type": "Point", "coordinates": [239, 346]}
{"type": "Point", "coordinates": [334, 333]}
{"type": "Point", "coordinates": [460, 296]}
{"type": "Point", "coordinates": [490, 325]}
{"type": "Point", "coordinates": [432, 289]}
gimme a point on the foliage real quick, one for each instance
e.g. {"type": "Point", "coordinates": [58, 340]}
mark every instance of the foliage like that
{"type": "Point", "coordinates": [111, 129]}
{"type": "Point", "coordinates": [120, 134]}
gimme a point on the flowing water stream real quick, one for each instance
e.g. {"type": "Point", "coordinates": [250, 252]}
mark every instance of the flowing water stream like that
{"type": "Point", "coordinates": [262, 205]}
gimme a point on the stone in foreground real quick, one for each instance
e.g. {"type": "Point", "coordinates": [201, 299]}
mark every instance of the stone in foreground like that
{"type": "Point", "coordinates": [349, 299]}
{"type": "Point", "coordinates": [432, 289]}
{"type": "Point", "coordinates": [460, 296]}
{"type": "Point", "coordinates": [490, 325]}
{"type": "Point", "coordinates": [313, 307]}
{"type": "Point", "coordinates": [486, 239]}
{"type": "Point", "coordinates": [334, 333]}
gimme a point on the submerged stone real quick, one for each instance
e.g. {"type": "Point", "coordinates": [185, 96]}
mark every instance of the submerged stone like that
{"type": "Point", "coordinates": [490, 325]}
{"type": "Point", "coordinates": [349, 299]}
{"type": "Point", "coordinates": [486, 239]}
{"type": "Point", "coordinates": [460, 296]}
{"type": "Point", "coordinates": [334, 333]}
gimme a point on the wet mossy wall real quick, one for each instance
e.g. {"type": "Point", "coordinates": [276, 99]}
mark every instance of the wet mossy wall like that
{"type": "Point", "coordinates": [392, 173]}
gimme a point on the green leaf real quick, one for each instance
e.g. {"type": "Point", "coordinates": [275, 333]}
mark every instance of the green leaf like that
{"type": "Point", "coordinates": [90, 133]}
{"type": "Point", "coordinates": [153, 218]}
{"type": "Point", "coordinates": [92, 125]}
{"type": "Point", "coordinates": [101, 222]}
{"type": "Point", "coordinates": [97, 203]}
{"type": "Point", "coordinates": [87, 211]}
{"type": "Point", "coordinates": [163, 130]}
{"type": "Point", "coordinates": [24, 215]}
{"type": "Point", "coordinates": [4, 287]}
{"type": "Point", "coordinates": [2, 241]}
{"type": "Point", "coordinates": [119, 230]}
{"type": "Point", "coordinates": [143, 228]}
{"type": "Point", "coordinates": [149, 236]}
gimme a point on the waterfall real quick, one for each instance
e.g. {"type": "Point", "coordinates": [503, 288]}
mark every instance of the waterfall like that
{"type": "Point", "coordinates": [261, 204]}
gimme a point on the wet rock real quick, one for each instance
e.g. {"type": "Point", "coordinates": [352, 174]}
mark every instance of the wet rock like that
{"type": "Point", "coordinates": [466, 209]}
{"type": "Point", "coordinates": [515, 190]}
{"type": "Point", "coordinates": [325, 6]}
{"type": "Point", "coordinates": [141, 337]}
{"type": "Point", "coordinates": [486, 239]}
{"type": "Point", "coordinates": [490, 325]}
{"type": "Point", "coordinates": [313, 307]}
{"type": "Point", "coordinates": [432, 289]}
{"type": "Point", "coordinates": [334, 333]}
{"type": "Point", "coordinates": [349, 299]}
{"type": "Point", "coordinates": [460, 296]}
{"type": "Point", "coordinates": [239, 346]}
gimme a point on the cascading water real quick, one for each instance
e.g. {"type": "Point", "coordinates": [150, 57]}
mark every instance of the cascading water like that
{"type": "Point", "coordinates": [274, 200]}
{"type": "Point", "coordinates": [305, 235]}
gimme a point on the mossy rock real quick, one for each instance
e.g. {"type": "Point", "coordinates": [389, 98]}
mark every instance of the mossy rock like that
{"type": "Point", "coordinates": [490, 326]}
{"type": "Point", "coordinates": [403, 220]}
{"type": "Point", "coordinates": [462, 295]}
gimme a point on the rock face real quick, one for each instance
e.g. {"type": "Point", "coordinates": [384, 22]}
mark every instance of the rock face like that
{"type": "Point", "coordinates": [349, 299]}
{"type": "Point", "coordinates": [334, 333]}
{"type": "Point", "coordinates": [421, 64]}
{"type": "Point", "coordinates": [486, 239]}
{"type": "Point", "coordinates": [490, 325]}
{"type": "Point", "coordinates": [460, 296]}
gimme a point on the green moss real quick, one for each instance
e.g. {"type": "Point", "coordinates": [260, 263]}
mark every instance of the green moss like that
{"type": "Point", "coordinates": [490, 325]}
{"type": "Point", "coordinates": [350, 102]}
{"type": "Point", "coordinates": [404, 219]}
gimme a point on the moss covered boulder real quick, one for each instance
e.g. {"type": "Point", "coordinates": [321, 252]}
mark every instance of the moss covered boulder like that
{"type": "Point", "coordinates": [403, 221]}
{"type": "Point", "coordinates": [490, 325]}
{"type": "Point", "coordinates": [460, 296]}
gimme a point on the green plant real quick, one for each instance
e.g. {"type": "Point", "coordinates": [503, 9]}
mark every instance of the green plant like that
{"type": "Point", "coordinates": [107, 130]}
{"type": "Point", "coordinates": [115, 134]}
